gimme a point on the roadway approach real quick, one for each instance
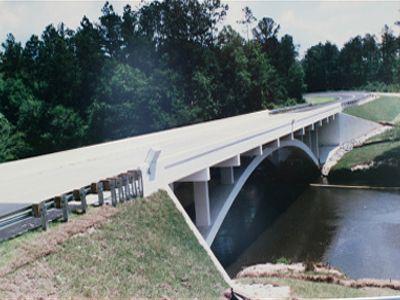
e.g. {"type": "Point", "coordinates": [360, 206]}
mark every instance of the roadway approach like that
{"type": "Point", "coordinates": [186, 154]}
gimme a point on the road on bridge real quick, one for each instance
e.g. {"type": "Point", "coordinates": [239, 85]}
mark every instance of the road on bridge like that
{"type": "Point", "coordinates": [28, 181]}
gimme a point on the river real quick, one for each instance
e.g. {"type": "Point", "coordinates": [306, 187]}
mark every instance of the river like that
{"type": "Point", "coordinates": [357, 231]}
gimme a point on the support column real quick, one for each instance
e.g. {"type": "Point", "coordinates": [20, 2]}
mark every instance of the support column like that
{"type": "Point", "coordinates": [316, 144]}
{"type": "Point", "coordinates": [227, 175]}
{"type": "Point", "coordinates": [202, 203]}
{"type": "Point", "coordinates": [309, 143]}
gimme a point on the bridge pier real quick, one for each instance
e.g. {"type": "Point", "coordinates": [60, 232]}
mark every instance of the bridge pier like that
{"type": "Point", "coordinates": [202, 203]}
{"type": "Point", "coordinates": [316, 141]}
{"type": "Point", "coordinates": [227, 175]}
{"type": "Point", "coordinates": [309, 133]}
{"type": "Point", "coordinates": [201, 196]}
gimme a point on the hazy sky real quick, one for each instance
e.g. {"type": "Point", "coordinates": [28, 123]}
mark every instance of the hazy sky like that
{"type": "Point", "coordinates": [309, 22]}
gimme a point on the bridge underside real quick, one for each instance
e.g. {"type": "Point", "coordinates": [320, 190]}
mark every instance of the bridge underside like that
{"type": "Point", "coordinates": [213, 199]}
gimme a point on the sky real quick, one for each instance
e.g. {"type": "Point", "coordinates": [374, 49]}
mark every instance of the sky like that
{"type": "Point", "coordinates": [309, 22]}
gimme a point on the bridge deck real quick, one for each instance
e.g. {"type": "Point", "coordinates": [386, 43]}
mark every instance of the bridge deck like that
{"type": "Point", "coordinates": [32, 180]}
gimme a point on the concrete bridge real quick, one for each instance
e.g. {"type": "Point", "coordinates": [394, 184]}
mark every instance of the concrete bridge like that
{"type": "Point", "coordinates": [235, 146]}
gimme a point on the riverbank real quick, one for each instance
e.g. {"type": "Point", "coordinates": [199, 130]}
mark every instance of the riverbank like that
{"type": "Point", "coordinates": [374, 161]}
{"type": "Point", "coordinates": [143, 248]}
{"type": "Point", "coordinates": [315, 280]}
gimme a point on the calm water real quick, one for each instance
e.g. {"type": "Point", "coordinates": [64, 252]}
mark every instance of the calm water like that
{"type": "Point", "coordinates": [357, 231]}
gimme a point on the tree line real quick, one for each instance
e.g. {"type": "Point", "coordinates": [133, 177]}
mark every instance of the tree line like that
{"type": "Point", "coordinates": [362, 63]}
{"type": "Point", "coordinates": [164, 64]}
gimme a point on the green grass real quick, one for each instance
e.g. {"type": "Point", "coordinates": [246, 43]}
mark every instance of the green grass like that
{"type": "Point", "coordinates": [315, 100]}
{"type": "Point", "coordinates": [10, 249]}
{"type": "Point", "coordinates": [145, 250]}
{"type": "Point", "coordinates": [308, 289]}
{"type": "Point", "coordinates": [365, 154]}
{"type": "Point", "coordinates": [383, 109]}
{"type": "Point", "coordinates": [382, 150]}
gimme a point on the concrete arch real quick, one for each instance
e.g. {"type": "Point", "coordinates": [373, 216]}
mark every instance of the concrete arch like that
{"type": "Point", "coordinates": [244, 176]}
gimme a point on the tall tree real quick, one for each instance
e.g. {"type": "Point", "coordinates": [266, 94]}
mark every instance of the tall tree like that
{"type": "Point", "coordinates": [90, 61]}
{"type": "Point", "coordinates": [248, 19]}
{"type": "Point", "coordinates": [389, 54]}
{"type": "Point", "coordinates": [353, 67]}
{"type": "Point", "coordinates": [110, 30]}
{"type": "Point", "coordinates": [58, 68]}
{"type": "Point", "coordinates": [321, 67]}
{"type": "Point", "coordinates": [371, 57]}
{"type": "Point", "coordinates": [11, 58]}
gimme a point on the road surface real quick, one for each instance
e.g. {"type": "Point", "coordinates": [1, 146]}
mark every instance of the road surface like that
{"type": "Point", "coordinates": [28, 181]}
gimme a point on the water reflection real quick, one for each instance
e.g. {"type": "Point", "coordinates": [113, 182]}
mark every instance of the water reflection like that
{"type": "Point", "coordinates": [357, 231]}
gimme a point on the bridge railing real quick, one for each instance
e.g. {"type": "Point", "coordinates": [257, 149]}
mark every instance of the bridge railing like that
{"type": "Point", "coordinates": [289, 108]}
{"type": "Point", "coordinates": [121, 188]}
{"type": "Point", "coordinates": [356, 101]}
{"type": "Point", "coordinates": [179, 165]}
{"type": "Point", "coordinates": [306, 105]}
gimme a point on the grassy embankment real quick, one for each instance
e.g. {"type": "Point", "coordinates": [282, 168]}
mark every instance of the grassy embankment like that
{"type": "Point", "coordinates": [377, 161]}
{"type": "Point", "coordinates": [309, 289]}
{"type": "Point", "coordinates": [143, 248]}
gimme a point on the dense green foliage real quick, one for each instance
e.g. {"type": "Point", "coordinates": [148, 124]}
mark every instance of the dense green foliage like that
{"type": "Point", "coordinates": [166, 64]}
{"type": "Point", "coordinates": [362, 63]}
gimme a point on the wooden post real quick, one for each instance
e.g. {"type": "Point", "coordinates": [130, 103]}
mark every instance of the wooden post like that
{"type": "Point", "coordinates": [106, 185]}
{"type": "Point", "coordinates": [132, 179]}
{"type": "Point", "coordinates": [100, 195]}
{"type": "Point", "coordinates": [113, 192]}
{"type": "Point", "coordinates": [128, 193]}
{"type": "Point", "coordinates": [65, 207]}
{"type": "Point", "coordinates": [36, 210]}
{"type": "Point", "coordinates": [43, 215]}
{"type": "Point", "coordinates": [82, 196]}
{"type": "Point", "coordinates": [120, 190]}
{"type": "Point", "coordinates": [140, 180]}
{"type": "Point", "coordinates": [58, 202]}
{"type": "Point", "coordinates": [93, 188]}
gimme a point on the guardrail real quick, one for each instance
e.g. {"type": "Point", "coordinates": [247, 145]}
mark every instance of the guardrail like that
{"type": "Point", "coordinates": [289, 108]}
{"type": "Point", "coordinates": [356, 100]}
{"type": "Point", "coordinates": [120, 188]}
{"type": "Point", "coordinates": [307, 105]}
{"type": "Point", "coordinates": [186, 163]}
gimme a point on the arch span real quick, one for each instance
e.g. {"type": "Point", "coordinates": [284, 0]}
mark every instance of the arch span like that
{"type": "Point", "coordinates": [242, 177]}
